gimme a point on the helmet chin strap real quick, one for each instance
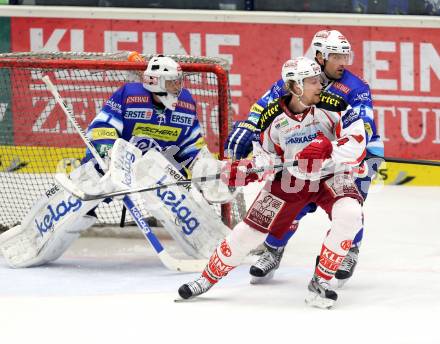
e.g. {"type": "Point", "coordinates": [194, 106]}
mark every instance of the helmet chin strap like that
{"type": "Point", "coordinates": [298, 97]}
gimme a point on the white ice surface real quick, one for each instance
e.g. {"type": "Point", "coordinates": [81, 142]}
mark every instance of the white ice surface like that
{"type": "Point", "coordinates": [106, 290]}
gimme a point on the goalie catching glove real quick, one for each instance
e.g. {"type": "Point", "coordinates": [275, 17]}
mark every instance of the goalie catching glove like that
{"type": "Point", "coordinates": [310, 159]}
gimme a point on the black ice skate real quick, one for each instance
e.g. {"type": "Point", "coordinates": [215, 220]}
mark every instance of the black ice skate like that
{"type": "Point", "coordinates": [195, 288]}
{"type": "Point", "coordinates": [320, 293]}
{"type": "Point", "coordinates": [264, 268]}
{"type": "Point", "coordinates": [347, 266]}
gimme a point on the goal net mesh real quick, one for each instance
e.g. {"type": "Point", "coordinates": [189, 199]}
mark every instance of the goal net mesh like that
{"type": "Point", "coordinates": [35, 134]}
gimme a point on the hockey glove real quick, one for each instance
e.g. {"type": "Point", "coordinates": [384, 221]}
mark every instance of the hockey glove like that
{"type": "Point", "coordinates": [234, 173]}
{"type": "Point", "coordinates": [238, 145]}
{"type": "Point", "coordinates": [310, 159]}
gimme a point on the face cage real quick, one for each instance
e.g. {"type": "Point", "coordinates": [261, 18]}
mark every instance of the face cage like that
{"type": "Point", "coordinates": [173, 86]}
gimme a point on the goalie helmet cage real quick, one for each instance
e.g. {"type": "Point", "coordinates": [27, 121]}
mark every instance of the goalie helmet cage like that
{"type": "Point", "coordinates": [35, 135]}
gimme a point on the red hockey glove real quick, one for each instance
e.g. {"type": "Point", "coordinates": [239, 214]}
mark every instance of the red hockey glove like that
{"type": "Point", "coordinates": [312, 156]}
{"type": "Point", "coordinates": [234, 173]}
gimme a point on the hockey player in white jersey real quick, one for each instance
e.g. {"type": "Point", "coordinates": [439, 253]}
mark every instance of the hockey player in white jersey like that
{"type": "Point", "coordinates": [333, 53]}
{"type": "Point", "coordinates": [155, 114]}
{"type": "Point", "coordinates": [327, 146]}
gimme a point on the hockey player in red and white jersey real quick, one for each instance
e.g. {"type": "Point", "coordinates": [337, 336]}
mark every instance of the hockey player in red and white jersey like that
{"type": "Point", "coordinates": [327, 145]}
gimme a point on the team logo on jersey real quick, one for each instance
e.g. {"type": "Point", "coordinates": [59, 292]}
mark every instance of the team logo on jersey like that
{"type": "Point", "coordinates": [363, 97]}
{"type": "Point", "coordinates": [138, 113]}
{"type": "Point", "coordinates": [104, 133]}
{"type": "Point", "coordinates": [137, 100]}
{"type": "Point", "coordinates": [349, 117]}
{"type": "Point", "coordinates": [114, 106]}
{"type": "Point", "coordinates": [157, 132]}
{"type": "Point", "coordinates": [161, 118]}
{"type": "Point", "coordinates": [182, 118]}
{"type": "Point", "coordinates": [265, 209]}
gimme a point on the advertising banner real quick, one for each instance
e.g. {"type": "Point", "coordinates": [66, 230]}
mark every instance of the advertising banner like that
{"type": "Point", "coordinates": [6, 132]}
{"type": "Point", "coordinates": [401, 65]}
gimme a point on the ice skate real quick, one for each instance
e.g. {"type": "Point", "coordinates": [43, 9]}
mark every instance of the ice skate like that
{"type": "Point", "coordinates": [264, 268]}
{"type": "Point", "coordinates": [195, 288]}
{"type": "Point", "coordinates": [320, 293]}
{"type": "Point", "coordinates": [346, 269]}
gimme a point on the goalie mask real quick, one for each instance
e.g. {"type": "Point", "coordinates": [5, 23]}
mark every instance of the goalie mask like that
{"type": "Point", "coordinates": [163, 77]}
{"type": "Point", "coordinates": [332, 42]}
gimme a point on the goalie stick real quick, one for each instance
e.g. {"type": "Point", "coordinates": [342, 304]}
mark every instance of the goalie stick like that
{"type": "Point", "coordinates": [81, 194]}
{"type": "Point", "coordinates": [185, 265]}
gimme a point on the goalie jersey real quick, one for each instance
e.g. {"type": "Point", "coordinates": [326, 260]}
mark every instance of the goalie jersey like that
{"type": "Point", "coordinates": [131, 114]}
{"type": "Point", "coordinates": [350, 88]}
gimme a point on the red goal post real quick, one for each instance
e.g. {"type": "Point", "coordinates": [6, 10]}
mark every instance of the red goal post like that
{"type": "Point", "coordinates": [35, 135]}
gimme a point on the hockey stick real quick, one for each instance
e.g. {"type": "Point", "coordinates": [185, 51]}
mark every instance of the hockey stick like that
{"type": "Point", "coordinates": [89, 197]}
{"type": "Point", "coordinates": [187, 265]}
{"type": "Point", "coordinates": [81, 194]}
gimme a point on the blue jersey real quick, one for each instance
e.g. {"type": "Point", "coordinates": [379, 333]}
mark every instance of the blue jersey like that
{"type": "Point", "coordinates": [352, 89]}
{"type": "Point", "coordinates": [131, 114]}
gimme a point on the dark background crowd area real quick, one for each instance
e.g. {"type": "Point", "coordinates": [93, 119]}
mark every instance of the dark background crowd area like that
{"type": "Point", "coordinates": [408, 7]}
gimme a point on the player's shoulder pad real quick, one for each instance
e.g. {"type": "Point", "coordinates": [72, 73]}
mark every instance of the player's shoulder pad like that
{"type": "Point", "coordinates": [332, 102]}
{"type": "Point", "coordinates": [269, 113]}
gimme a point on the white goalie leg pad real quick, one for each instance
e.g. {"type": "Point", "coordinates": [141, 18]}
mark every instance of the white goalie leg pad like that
{"type": "Point", "coordinates": [183, 212]}
{"type": "Point", "coordinates": [239, 243]}
{"type": "Point", "coordinates": [53, 223]}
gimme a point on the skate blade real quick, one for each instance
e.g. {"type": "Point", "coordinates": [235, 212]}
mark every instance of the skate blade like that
{"type": "Point", "coordinates": [262, 280]}
{"type": "Point", "coordinates": [315, 300]}
{"type": "Point", "coordinates": [179, 300]}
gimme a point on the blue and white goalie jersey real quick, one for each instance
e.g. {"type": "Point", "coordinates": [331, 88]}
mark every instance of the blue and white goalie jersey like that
{"type": "Point", "coordinates": [131, 114]}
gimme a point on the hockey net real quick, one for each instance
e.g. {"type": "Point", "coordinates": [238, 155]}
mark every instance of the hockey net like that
{"type": "Point", "coordinates": [35, 135]}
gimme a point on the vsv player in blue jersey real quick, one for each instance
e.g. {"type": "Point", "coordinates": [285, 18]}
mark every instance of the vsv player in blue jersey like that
{"type": "Point", "coordinates": [333, 53]}
{"type": "Point", "coordinates": [155, 113]}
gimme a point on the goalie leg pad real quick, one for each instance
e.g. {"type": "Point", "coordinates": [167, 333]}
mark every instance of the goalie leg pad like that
{"type": "Point", "coordinates": [53, 223]}
{"type": "Point", "coordinates": [184, 213]}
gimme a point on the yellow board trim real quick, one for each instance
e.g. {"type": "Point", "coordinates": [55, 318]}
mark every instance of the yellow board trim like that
{"type": "Point", "coordinates": [406, 174]}
{"type": "Point", "coordinates": [29, 159]}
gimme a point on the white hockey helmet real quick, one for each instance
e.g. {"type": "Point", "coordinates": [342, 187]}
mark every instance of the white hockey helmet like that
{"type": "Point", "coordinates": [331, 42]}
{"type": "Point", "coordinates": [298, 69]}
{"type": "Point", "coordinates": [163, 77]}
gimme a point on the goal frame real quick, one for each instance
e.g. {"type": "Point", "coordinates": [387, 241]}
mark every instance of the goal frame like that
{"type": "Point", "coordinates": [62, 61]}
